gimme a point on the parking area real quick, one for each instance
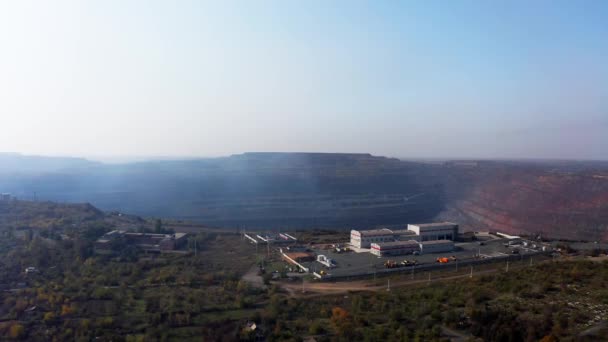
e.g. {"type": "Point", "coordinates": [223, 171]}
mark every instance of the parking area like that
{"type": "Point", "coordinates": [354, 264]}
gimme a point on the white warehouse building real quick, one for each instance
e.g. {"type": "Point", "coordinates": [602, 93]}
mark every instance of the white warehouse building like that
{"type": "Point", "coordinates": [395, 248]}
{"type": "Point", "coordinates": [435, 231]}
{"type": "Point", "coordinates": [436, 246]}
{"type": "Point", "coordinates": [364, 238]}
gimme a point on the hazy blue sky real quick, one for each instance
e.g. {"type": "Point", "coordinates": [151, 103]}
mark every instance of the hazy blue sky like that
{"type": "Point", "coordinates": [201, 78]}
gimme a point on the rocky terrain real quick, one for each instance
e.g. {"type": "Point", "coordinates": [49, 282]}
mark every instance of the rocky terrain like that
{"type": "Point", "coordinates": [524, 200]}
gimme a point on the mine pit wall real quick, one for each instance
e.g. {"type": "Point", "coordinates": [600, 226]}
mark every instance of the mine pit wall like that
{"type": "Point", "coordinates": [524, 201]}
{"type": "Point", "coordinates": [340, 211]}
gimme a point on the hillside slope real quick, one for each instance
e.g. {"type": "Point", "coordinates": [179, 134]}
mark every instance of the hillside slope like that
{"type": "Point", "coordinates": [559, 199]}
{"type": "Point", "coordinates": [50, 215]}
{"type": "Point", "coordinates": [529, 201]}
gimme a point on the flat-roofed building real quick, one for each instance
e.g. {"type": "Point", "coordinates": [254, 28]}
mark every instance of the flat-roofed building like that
{"type": "Point", "coordinates": [436, 246]}
{"type": "Point", "coordinates": [364, 238]}
{"type": "Point", "coordinates": [405, 235]}
{"type": "Point", "coordinates": [435, 231]}
{"type": "Point", "coordinates": [144, 241]}
{"type": "Point", "coordinates": [395, 247]}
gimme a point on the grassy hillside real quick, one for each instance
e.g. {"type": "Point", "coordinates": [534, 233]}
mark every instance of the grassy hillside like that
{"type": "Point", "coordinates": [49, 215]}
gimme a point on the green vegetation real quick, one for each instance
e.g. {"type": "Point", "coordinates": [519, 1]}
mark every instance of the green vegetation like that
{"type": "Point", "coordinates": [74, 294]}
{"type": "Point", "coordinates": [554, 301]}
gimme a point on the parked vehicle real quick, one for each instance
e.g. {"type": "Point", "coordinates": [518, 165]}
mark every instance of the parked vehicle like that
{"type": "Point", "coordinates": [390, 264]}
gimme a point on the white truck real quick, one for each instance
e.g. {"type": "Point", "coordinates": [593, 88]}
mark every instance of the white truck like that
{"type": "Point", "coordinates": [322, 259]}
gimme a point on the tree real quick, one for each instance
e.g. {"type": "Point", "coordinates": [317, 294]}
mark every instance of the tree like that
{"type": "Point", "coordinates": [315, 328]}
{"type": "Point", "coordinates": [67, 309]}
{"type": "Point", "coordinates": [49, 316]}
{"type": "Point", "coordinates": [341, 321]}
{"type": "Point", "coordinates": [16, 331]}
{"type": "Point", "coordinates": [266, 278]}
{"type": "Point", "coordinates": [549, 338]}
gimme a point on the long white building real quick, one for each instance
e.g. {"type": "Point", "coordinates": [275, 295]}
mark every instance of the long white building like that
{"type": "Point", "coordinates": [364, 238]}
{"type": "Point", "coordinates": [395, 248]}
{"type": "Point", "coordinates": [436, 246]}
{"type": "Point", "coordinates": [435, 231]}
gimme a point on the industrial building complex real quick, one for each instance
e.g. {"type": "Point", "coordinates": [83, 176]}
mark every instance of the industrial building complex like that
{"type": "Point", "coordinates": [418, 238]}
{"type": "Point", "coordinates": [378, 250]}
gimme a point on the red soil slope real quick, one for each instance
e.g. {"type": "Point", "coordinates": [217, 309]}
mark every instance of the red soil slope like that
{"type": "Point", "coordinates": [565, 206]}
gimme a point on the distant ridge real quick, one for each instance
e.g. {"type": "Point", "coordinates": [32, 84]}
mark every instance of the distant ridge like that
{"type": "Point", "coordinates": [280, 190]}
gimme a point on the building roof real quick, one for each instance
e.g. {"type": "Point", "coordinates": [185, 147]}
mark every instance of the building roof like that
{"type": "Point", "coordinates": [136, 235]}
{"type": "Point", "coordinates": [404, 232]}
{"type": "Point", "coordinates": [435, 224]}
{"type": "Point", "coordinates": [298, 255]}
{"type": "Point", "coordinates": [375, 232]}
{"type": "Point", "coordinates": [396, 243]}
{"type": "Point", "coordinates": [438, 242]}
{"type": "Point", "coordinates": [148, 235]}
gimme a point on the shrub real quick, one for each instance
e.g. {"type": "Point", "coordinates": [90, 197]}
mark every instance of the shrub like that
{"type": "Point", "coordinates": [16, 331]}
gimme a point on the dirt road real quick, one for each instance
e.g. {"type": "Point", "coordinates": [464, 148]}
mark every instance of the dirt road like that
{"type": "Point", "coordinates": [253, 278]}
{"type": "Point", "coordinates": [312, 289]}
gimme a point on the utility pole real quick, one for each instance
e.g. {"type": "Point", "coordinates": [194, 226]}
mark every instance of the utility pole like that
{"type": "Point", "coordinates": [471, 276]}
{"type": "Point", "coordinates": [268, 246]}
{"type": "Point", "coordinates": [507, 265]}
{"type": "Point", "coordinates": [374, 276]}
{"type": "Point", "coordinates": [530, 261]}
{"type": "Point", "coordinates": [371, 265]}
{"type": "Point", "coordinates": [388, 286]}
{"type": "Point", "coordinates": [429, 278]}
